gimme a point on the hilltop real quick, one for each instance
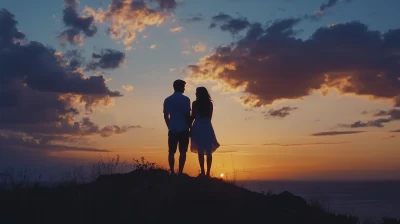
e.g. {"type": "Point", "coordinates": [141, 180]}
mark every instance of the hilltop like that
{"type": "Point", "coordinates": [153, 196]}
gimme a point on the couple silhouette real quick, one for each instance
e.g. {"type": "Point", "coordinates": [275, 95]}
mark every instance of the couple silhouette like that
{"type": "Point", "coordinates": [189, 124]}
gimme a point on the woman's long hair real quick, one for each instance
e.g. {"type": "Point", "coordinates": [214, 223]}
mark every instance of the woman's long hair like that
{"type": "Point", "coordinates": [203, 100]}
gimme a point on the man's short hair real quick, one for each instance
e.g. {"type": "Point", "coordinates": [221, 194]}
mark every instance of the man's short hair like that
{"type": "Point", "coordinates": [179, 85]}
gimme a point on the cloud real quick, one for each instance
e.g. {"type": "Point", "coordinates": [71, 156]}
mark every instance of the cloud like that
{"type": "Point", "coordinates": [393, 114]}
{"type": "Point", "coordinates": [331, 133]}
{"type": "Point", "coordinates": [286, 145]}
{"type": "Point", "coordinates": [390, 137]}
{"type": "Point", "coordinates": [8, 31]}
{"type": "Point", "coordinates": [359, 124]}
{"type": "Point", "coordinates": [329, 4]}
{"type": "Point", "coordinates": [128, 88]}
{"type": "Point", "coordinates": [196, 18]}
{"type": "Point", "coordinates": [76, 60]}
{"type": "Point", "coordinates": [228, 23]}
{"type": "Point", "coordinates": [271, 64]}
{"type": "Point", "coordinates": [21, 141]}
{"type": "Point", "coordinates": [185, 52]}
{"type": "Point", "coordinates": [43, 91]}
{"type": "Point", "coordinates": [279, 113]}
{"type": "Point", "coordinates": [200, 47]}
{"type": "Point", "coordinates": [153, 46]}
{"type": "Point", "coordinates": [230, 145]}
{"type": "Point", "coordinates": [127, 17]}
{"type": "Point", "coordinates": [226, 151]}
{"type": "Point", "coordinates": [396, 130]}
{"type": "Point", "coordinates": [106, 59]}
{"type": "Point", "coordinates": [305, 144]}
{"type": "Point", "coordinates": [176, 29]}
{"type": "Point", "coordinates": [166, 4]}
{"type": "Point", "coordinates": [78, 26]}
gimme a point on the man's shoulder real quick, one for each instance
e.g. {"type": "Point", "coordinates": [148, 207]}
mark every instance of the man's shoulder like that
{"type": "Point", "coordinates": [169, 97]}
{"type": "Point", "coordinates": [186, 98]}
{"type": "Point", "coordinates": [177, 97]}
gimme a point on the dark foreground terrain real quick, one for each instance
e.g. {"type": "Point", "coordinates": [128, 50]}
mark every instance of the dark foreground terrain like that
{"type": "Point", "coordinates": [152, 196]}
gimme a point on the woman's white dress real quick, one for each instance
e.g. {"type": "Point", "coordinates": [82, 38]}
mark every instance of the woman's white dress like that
{"type": "Point", "coordinates": [203, 137]}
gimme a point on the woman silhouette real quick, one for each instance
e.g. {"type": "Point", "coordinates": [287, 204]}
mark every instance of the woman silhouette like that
{"type": "Point", "coordinates": [203, 140]}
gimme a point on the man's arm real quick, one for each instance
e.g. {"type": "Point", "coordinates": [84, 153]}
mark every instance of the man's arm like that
{"type": "Point", "coordinates": [187, 115]}
{"type": "Point", "coordinates": [166, 118]}
{"type": "Point", "coordinates": [166, 114]}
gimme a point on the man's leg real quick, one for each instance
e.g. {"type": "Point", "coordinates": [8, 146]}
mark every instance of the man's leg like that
{"type": "Point", "coordinates": [172, 145]}
{"type": "Point", "coordinates": [183, 147]}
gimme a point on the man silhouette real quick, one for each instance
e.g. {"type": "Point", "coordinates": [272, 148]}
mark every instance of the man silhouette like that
{"type": "Point", "coordinates": [177, 119]}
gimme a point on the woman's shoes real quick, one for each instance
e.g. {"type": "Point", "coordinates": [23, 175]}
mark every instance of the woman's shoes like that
{"type": "Point", "coordinates": [202, 175]}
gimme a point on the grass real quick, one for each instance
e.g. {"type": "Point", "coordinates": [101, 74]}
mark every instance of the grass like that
{"type": "Point", "coordinates": [114, 191]}
{"type": "Point", "coordinates": [81, 174]}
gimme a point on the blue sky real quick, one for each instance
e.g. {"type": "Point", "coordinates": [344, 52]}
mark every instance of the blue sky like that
{"type": "Point", "coordinates": [152, 71]}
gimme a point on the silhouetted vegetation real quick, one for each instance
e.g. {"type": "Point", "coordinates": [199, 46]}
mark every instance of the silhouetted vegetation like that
{"type": "Point", "coordinates": [149, 194]}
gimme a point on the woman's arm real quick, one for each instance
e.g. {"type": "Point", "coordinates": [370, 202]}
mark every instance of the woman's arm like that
{"type": "Point", "coordinates": [211, 110]}
{"type": "Point", "coordinates": [194, 112]}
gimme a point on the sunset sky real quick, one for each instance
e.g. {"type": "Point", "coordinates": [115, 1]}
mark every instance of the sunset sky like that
{"type": "Point", "coordinates": [301, 89]}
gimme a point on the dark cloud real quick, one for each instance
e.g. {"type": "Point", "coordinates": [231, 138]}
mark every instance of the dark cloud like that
{"type": "Point", "coordinates": [396, 130]}
{"type": "Point", "coordinates": [329, 4]}
{"type": "Point", "coordinates": [76, 60]}
{"type": "Point", "coordinates": [272, 64]}
{"type": "Point", "coordinates": [196, 18]}
{"type": "Point", "coordinates": [282, 27]}
{"type": "Point", "coordinates": [76, 24]}
{"type": "Point", "coordinates": [41, 91]}
{"type": "Point", "coordinates": [74, 4]}
{"type": "Point", "coordinates": [279, 113]}
{"type": "Point", "coordinates": [8, 31]}
{"type": "Point", "coordinates": [321, 11]}
{"type": "Point", "coordinates": [374, 123]}
{"type": "Point", "coordinates": [23, 142]}
{"type": "Point", "coordinates": [107, 59]}
{"type": "Point", "coordinates": [166, 4]}
{"type": "Point", "coordinates": [228, 23]}
{"type": "Point", "coordinates": [331, 133]}
{"type": "Point", "coordinates": [393, 115]}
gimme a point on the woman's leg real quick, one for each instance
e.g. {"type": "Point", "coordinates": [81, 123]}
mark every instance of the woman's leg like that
{"type": "Point", "coordinates": [209, 161]}
{"type": "Point", "coordinates": [201, 162]}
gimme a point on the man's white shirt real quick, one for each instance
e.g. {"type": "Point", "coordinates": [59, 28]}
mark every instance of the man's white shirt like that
{"type": "Point", "coordinates": [177, 105]}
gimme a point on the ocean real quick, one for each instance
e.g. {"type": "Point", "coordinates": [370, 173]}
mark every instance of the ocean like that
{"type": "Point", "coordinates": [369, 200]}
